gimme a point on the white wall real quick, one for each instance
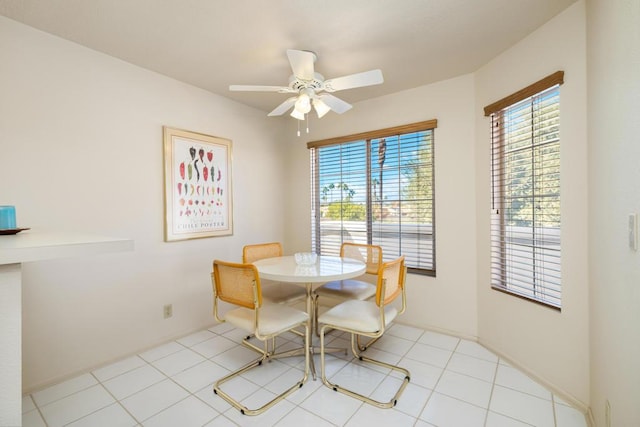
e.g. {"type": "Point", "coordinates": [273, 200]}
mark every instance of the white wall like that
{"type": "Point", "coordinates": [81, 150]}
{"type": "Point", "coordinates": [552, 345]}
{"type": "Point", "coordinates": [448, 301]}
{"type": "Point", "coordinates": [83, 133]}
{"type": "Point", "coordinates": [614, 192]}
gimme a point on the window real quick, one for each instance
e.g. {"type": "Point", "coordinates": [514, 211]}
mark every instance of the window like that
{"type": "Point", "coordinates": [377, 188]}
{"type": "Point", "coordinates": [525, 219]}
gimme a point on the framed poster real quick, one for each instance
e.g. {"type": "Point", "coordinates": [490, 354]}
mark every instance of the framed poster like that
{"type": "Point", "coordinates": [197, 185]}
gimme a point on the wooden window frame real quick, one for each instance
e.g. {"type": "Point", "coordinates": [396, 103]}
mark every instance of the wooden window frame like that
{"type": "Point", "coordinates": [501, 262]}
{"type": "Point", "coordinates": [368, 137]}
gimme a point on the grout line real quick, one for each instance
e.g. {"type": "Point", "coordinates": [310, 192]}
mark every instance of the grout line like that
{"type": "Point", "coordinates": [39, 411]}
{"type": "Point", "coordinates": [493, 386]}
{"type": "Point", "coordinates": [115, 398]}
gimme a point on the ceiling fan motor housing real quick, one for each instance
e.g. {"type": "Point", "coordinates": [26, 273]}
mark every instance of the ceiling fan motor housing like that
{"type": "Point", "coordinates": [316, 84]}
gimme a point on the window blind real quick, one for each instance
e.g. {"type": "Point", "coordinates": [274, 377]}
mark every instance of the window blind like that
{"type": "Point", "coordinates": [525, 221]}
{"type": "Point", "coordinates": [377, 188]}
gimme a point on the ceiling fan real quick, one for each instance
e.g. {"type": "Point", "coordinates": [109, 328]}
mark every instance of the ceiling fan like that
{"type": "Point", "coordinates": [311, 88]}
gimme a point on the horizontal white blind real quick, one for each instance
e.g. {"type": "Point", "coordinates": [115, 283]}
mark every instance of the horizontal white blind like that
{"type": "Point", "coordinates": [376, 191]}
{"type": "Point", "coordinates": [343, 195]}
{"type": "Point", "coordinates": [402, 199]}
{"type": "Point", "coordinates": [525, 222]}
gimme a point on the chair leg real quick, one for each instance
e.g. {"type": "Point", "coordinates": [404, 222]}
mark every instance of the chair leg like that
{"type": "Point", "coordinates": [315, 314]}
{"type": "Point", "coordinates": [253, 347]}
{"type": "Point", "coordinates": [362, 347]}
{"type": "Point", "coordinates": [265, 356]}
{"type": "Point", "coordinates": [354, 347]}
{"type": "Point", "coordinates": [257, 349]}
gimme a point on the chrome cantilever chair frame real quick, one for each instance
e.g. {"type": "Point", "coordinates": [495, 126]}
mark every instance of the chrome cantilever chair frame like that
{"type": "Point", "coordinates": [241, 317]}
{"type": "Point", "coordinates": [382, 302]}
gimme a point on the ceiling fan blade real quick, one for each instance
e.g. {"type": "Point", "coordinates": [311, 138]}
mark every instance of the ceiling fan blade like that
{"type": "Point", "coordinates": [336, 104]}
{"type": "Point", "coordinates": [302, 63]}
{"type": "Point", "coordinates": [367, 78]}
{"type": "Point", "coordinates": [255, 88]}
{"type": "Point", "coordinates": [282, 108]}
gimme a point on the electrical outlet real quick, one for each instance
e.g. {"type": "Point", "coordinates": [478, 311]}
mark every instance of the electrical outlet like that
{"type": "Point", "coordinates": [607, 413]}
{"type": "Point", "coordinates": [168, 311]}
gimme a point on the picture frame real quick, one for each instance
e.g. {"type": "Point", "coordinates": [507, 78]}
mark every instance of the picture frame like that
{"type": "Point", "coordinates": [197, 185]}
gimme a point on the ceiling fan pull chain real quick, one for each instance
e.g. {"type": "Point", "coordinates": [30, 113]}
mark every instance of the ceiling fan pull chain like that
{"type": "Point", "coordinates": [307, 118]}
{"type": "Point", "coordinates": [298, 127]}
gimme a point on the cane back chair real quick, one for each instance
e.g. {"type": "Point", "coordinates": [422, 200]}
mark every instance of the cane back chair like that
{"type": "Point", "coordinates": [239, 285]}
{"type": "Point", "coordinates": [369, 318]}
{"type": "Point", "coordinates": [357, 288]}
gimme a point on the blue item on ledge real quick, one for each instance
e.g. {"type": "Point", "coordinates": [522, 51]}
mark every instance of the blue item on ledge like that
{"type": "Point", "coordinates": [7, 217]}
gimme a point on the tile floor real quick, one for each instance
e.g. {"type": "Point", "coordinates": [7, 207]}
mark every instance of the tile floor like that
{"type": "Point", "coordinates": [454, 382]}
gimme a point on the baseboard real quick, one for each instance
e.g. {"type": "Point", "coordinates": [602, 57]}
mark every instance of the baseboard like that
{"type": "Point", "coordinates": [573, 401]}
{"type": "Point", "coordinates": [585, 409]}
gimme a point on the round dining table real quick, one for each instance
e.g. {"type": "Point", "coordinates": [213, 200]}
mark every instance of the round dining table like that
{"type": "Point", "coordinates": [325, 269]}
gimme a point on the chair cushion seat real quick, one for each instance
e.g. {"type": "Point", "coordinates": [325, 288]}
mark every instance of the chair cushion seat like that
{"type": "Point", "coordinates": [348, 289]}
{"type": "Point", "coordinates": [273, 318]}
{"type": "Point", "coordinates": [358, 315]}
{"type": "Point", "coordinates": [281, 293]}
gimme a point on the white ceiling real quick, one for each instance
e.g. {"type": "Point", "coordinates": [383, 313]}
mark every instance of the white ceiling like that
{"type": "Point", "coordinates": [214, 43]}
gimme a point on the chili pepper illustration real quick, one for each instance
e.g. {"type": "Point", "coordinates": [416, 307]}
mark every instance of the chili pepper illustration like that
{"type": "Point", "coordinates": [219, 174]}
{"type": "Point", "coordinates": [195, 165]}
{"type": "Point", "coordinates": [182, 170]}
{"type": "Point", "coordinates": [192, 152]}
{"type": "Point", "coordinates": [210, 156]}
{"type": "Point", "coordinates": [189, 171]}
{"type": "Point", "coordinates": [205, 173]}
{"type": "Point", "coordinates": [201, 154]}
{"type": "Point", "coordinates": [198, 190]}
{"type": "Point", "coordinates": [212, 173]}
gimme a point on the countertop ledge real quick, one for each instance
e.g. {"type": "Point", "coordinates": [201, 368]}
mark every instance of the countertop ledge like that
{"type": "Point", "coordinates": [39, 245]}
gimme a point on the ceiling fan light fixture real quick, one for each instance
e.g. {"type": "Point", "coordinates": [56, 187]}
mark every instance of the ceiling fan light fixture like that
{"type": "Point", "coordinates": [303, 104]}
{"type": "Point", "coordinates": [320, 107]}
{"type": "Point", "coordinates": [296, 114]}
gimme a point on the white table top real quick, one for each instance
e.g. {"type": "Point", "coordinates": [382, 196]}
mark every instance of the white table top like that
{"type": "Point", "coordinates": [326, 268]}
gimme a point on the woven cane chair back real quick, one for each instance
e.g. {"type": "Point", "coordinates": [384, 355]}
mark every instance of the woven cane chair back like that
{"type": "Point", "coordinates": [235, 284]}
